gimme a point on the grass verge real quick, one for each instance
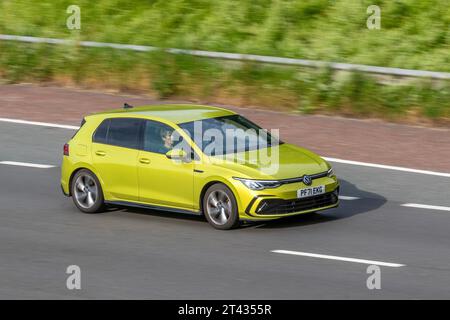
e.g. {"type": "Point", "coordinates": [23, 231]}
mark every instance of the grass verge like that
{"type": "Point", "coordinates": [239, 83]}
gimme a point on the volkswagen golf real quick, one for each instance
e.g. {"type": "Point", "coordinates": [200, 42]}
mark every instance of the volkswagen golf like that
{"type": "Point", "coordinates": [193, 159]}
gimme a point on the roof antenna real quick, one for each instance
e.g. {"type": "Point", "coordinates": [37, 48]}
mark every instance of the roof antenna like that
{"type": "Point", "coordinates": [127, 106]}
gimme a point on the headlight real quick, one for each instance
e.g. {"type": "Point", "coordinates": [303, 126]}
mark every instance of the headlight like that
{"type": "Point", "coordinates": [259, 184]}
{"type": "Point", "coordinates": [330, 172]}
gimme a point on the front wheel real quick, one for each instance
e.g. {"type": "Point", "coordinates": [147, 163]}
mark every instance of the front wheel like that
{"type": "Point", "coordinates": [87, 192]}
{"type": "Point", "coordinates": [220, 207]}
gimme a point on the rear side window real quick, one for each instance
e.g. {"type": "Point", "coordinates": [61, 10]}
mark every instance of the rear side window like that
{"type": "Point", "coordinates": [124, 132]}
{"type": "Point", "coordinates": [101, 132]}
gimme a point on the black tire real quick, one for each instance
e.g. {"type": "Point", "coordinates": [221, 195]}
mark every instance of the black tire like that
{"type": "Point", "coordinates": [92, 186]}
{"type": "Point", "coordinates": [226, 206]}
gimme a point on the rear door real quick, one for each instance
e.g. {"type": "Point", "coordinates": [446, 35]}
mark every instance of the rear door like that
{"type": "Point", "coordinates": [115, 151]}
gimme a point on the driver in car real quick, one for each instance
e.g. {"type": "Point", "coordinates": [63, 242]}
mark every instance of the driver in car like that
{"type": "Point", "coordinates": [166, 137]}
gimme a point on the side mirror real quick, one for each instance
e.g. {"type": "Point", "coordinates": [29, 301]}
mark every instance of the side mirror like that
{"type": "Point", "coordinates": [177, 154]}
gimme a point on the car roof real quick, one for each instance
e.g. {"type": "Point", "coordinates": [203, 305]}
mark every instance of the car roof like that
{"type": "Point", "coordinates": [176, 113]}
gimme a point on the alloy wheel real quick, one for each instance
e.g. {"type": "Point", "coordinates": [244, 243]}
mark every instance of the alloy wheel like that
{"type": "Point", "coordinates": [218, 207]}
{"type": "Point", "coordinates": [86, 191]}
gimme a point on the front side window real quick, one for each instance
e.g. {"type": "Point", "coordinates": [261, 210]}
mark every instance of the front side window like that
{"type": "Point", "coordinates": [159, 137]}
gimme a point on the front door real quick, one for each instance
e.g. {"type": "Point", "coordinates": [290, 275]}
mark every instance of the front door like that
{"type": "Point", "coordinates": [163, 181]}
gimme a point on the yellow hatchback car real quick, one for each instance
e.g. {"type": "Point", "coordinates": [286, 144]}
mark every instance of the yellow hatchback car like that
{"type": "Point", "coordinates": [193, 159]}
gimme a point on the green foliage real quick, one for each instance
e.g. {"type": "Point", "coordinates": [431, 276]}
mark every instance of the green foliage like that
{"type": "Point", "coordinates": [414, 34]}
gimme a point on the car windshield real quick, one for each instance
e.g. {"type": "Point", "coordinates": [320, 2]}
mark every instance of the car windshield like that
{"type": "Point", "coordinates": [228, 134]}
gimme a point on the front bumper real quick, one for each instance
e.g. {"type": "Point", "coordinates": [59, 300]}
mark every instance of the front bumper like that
{"type": "Point", "coordinates": [283, 202]}
{"type": "Point", "coordinates": [275, 207]}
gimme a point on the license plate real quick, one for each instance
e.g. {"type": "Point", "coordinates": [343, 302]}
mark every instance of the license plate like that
{"type": "Point", "coordinates": [310, 192]}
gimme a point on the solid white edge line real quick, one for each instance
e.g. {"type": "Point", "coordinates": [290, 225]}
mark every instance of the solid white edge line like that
{"type": "Point", "coordinates": [348, 198]}
{"type": "Point", "coordinates": [356, 163]}
{"type": "Point", "coordinates": [25, 164]}
{"type": "Point", "coordinates": [382, 166]}
{"type": "Point", "coordinates": [43, 124]}
{"type": "Point", "coordinates": [323, 256]}
{"type": "Point", "coordinates": [425, 206]}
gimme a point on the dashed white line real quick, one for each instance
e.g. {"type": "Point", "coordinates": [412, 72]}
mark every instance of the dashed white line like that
{"type": "Point", "coordinates": [43, 124]}
{"type": "Point", "coordinates": [382, 166]}
{"type": "Point", "coordinates": [348, 198]}
{"type": "Point", "coordinates": [425, 206]}
{"type": "Point", "coordinates": [324, 256]}
{"type": "Point", "coordinates": [26, 164]}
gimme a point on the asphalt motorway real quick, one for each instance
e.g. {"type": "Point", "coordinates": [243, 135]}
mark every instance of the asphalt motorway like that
{"type": "Point", "coordinates": [138, 254]}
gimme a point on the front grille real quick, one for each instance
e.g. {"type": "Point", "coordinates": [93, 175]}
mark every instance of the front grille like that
{"type": "Point", "coordinates": [300, 179]}
{"type": "Point", "coordinates": [280, 206]}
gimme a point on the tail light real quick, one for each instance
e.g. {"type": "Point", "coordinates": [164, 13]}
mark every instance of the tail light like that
{"type": "Point", "coordinates": [66, 149]}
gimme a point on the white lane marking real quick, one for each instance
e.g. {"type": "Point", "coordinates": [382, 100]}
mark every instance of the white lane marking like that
{"type": "Point", "coordinates": [348, 198]}
{"type": "Point", "coordinates": [43, 124]}
{"type": "Point", "coordinates": [324, 256]}
{"type": "Point", "coordinates": [351, 162]}
{"type": "Point", "coordinates": [425, 206]}
{"type": "Point", "coordinates": [382, 166]}
{"type": "Point", "coordinates": [26, 164]}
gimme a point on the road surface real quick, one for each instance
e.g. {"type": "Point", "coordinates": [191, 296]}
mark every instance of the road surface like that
{"type": "Point", "coordinates": [139, 254]}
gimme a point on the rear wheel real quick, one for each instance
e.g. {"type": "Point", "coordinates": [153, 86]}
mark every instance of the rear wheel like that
{"type": "Point", "coordinates": [87, 192]}
{"type": "Point", "coordinates": [220, 207]}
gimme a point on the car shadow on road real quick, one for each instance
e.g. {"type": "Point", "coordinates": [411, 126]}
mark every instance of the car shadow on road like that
{"type": "Point", "coordinates": [366, 203]}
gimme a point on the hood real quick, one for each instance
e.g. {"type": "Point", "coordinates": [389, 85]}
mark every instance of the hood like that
{"type": "Point", "coordinates": [279, 162]}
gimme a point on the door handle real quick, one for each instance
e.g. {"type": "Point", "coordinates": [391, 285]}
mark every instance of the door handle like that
{"type": "Point", "coordinates": [100, 153]}
{"type": "Point", "coordinates": [144, 160]}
